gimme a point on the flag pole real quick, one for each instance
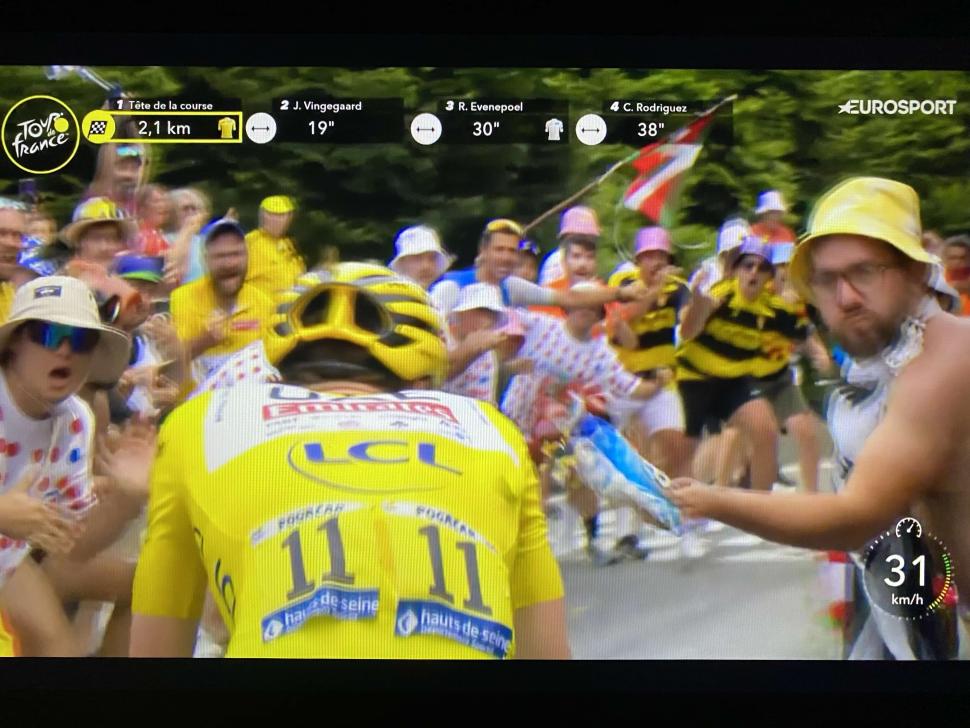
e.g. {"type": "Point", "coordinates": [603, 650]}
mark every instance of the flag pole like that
{"type": "Point", "coordinates": [592, 185]}
{"type": "Point", "coordinates": [626, 160]}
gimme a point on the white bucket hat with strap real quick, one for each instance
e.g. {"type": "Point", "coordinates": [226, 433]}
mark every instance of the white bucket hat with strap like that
{"type": "Point", "coordinates": [68, 301]}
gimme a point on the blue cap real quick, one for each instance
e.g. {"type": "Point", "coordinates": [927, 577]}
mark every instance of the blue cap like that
{"type": "Point", "coordinates": [140, 267]}
{"type": "Point", "coordinates": [527, 246]}
{"type": "Point", "coordinates": [219, 226]}
{"type": "Point", "coordinates": [781, 253]}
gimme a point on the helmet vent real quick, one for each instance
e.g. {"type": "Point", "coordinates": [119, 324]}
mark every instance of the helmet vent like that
{"type": "Point", "coordinates": [368, 314]}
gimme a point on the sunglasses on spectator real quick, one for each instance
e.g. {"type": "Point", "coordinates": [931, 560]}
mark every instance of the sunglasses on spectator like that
{"type": "Point", "coordinates": [127, 151]}
{"type": "Point", "coordinates": [50, 335]}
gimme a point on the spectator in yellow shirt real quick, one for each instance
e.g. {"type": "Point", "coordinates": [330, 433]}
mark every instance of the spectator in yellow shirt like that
{"type": "Point", "coordinates": [220, 313]}
{"type": "Point", "coordinates": [13, 222]}
{"type": "Point", "coordinates": [274, 264]}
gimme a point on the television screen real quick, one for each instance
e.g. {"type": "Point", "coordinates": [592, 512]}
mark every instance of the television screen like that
{"type": "Point", "coordinates": [458, 361]}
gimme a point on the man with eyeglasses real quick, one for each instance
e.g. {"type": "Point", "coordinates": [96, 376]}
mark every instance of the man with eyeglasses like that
{"type": "Point", "coordinates": [899, 423]}
{"type": "Point", "coordinates": [222, 312]}
{"type": "Point", "coordinates": [497, 259]}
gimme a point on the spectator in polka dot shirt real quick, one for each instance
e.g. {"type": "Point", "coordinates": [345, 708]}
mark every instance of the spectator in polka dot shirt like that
{"type": "Point", "coordinates": [52, 342]}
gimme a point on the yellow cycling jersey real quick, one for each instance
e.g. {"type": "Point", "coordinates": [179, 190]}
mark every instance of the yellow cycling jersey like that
{"type": "Point", "coordinates": [6, 300]}
{"type": "Point", "coordinates": [403, 525]}
{"type": "Point", "coordinates": [8, 643]}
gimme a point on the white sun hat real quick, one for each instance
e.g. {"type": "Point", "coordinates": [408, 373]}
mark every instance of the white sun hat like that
{"type": "Point", "coordinates": [731, 234]}
{"type": "Point", "coordinates": [482, 295]}
{"type": "Point", "coordinates": [68, 301]}
{"type": "Point", "coordinates": [770, 201]}
{"type": "Point", "coordinates": [417, 240]}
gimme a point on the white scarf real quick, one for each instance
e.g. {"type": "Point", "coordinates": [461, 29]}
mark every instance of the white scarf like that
{"type": "Point", "coordinates": [855, 410]}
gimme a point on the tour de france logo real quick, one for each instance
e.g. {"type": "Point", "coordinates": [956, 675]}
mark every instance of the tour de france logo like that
{"type": "Point", "coordinates": [40, 134]}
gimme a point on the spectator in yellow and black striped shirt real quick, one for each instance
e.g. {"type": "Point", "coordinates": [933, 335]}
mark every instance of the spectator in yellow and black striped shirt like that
{"type": "Point", "coordinates": [723, 334]}
{"type": "Point", "coordinates": [643, 334]}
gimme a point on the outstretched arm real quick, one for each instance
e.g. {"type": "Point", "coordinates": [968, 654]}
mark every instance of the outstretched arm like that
{"type": "Point", "coordinates": [902, 460]}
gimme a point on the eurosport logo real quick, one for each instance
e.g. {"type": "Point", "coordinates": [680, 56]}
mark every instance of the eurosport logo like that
{"type": "Point", "coordinates": [40, 134]}
{"type": "Point", "coordinates": [892, 107]}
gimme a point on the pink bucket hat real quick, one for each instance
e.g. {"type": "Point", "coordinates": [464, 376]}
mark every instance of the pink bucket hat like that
{"type": "Point", "coordinates": [579, 221]}
{"type": "Point", "coordinates": [651, 238]}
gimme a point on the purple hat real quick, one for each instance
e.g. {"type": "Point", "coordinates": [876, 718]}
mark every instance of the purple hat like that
{"type": "Point", "coordinates": [752, 245]}
{"type": "Point", "coordinates": [651, 238]}
{"type": "Point", "coordinates": [579, 221]}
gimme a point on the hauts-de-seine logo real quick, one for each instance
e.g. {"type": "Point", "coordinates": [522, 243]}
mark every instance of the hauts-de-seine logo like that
{"type": "Point", "coordinates": [40, 134]}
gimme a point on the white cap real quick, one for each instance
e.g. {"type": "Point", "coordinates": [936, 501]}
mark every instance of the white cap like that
{"type": "Point", "coordinates": [417, 240]}
{"type": "Point", "coordinates": [732, 232]}
{"type": "Point", "coordinates": [481, 295]}
{"type": "Point", "coordinates": [770, 201]}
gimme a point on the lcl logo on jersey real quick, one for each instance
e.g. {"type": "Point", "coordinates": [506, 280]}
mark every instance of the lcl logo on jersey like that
{"type": "Point", "coordinates": [339, 466]}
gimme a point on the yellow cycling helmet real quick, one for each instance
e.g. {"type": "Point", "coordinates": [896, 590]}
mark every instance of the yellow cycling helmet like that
{"type": "Point", "coordinates": [355, 318]}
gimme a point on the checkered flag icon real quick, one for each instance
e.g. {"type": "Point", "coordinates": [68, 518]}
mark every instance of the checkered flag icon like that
{"type": "Point", "coordinates": [97, 127]}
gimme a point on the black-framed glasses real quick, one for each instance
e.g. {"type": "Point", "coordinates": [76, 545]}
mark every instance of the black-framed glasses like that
{"type": "Point", "coordinates": [863, 277]}
{"type": "Point", "coordinates": [50, 335]}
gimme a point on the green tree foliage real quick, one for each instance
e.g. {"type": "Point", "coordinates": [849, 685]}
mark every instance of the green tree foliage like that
{"type": "Point", "coordinates": [785, 133]}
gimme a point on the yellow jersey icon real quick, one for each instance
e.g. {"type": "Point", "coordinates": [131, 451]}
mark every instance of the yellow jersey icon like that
{"type": "Point", "coordinates": [227, 128]}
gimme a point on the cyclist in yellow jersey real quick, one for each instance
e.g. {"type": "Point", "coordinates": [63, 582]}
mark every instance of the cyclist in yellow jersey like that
{"type": "Point", "coordinates": [347, 512]}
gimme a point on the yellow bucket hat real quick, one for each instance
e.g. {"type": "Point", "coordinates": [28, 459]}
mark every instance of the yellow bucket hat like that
{"type": "Point", "coordinates": [278, 204]}
{"type": "Point", "coordinates": [877, 208]}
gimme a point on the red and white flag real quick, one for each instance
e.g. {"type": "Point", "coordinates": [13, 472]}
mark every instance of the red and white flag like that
{"type": "Point", "coordinates": [662, 167]}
